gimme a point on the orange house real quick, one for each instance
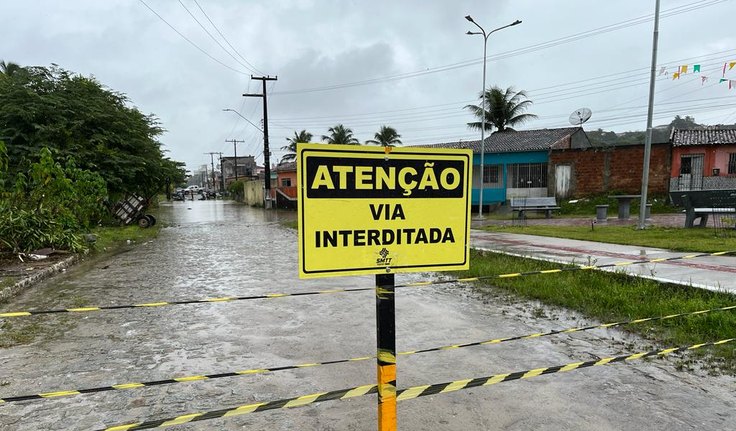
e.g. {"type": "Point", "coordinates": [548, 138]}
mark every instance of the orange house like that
{"type": "Point", "coordinates": [284, 194]}
{"type": "Point", "coordinates": [703, 158]}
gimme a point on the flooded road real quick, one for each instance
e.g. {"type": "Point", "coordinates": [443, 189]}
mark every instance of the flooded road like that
{"type": "Point", "coordinates": [216, 249]}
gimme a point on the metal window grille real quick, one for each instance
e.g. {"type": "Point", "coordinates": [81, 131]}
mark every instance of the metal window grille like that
{"type": "Point", "coordinates": [492, 175]}
{"type": "Point", "coordinates": [528, 175]}
{"type": "Point", "coordinates": [732, 163]}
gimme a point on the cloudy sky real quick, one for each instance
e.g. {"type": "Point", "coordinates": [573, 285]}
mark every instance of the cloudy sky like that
{"type": "Point", "coordinates": [364, 64]}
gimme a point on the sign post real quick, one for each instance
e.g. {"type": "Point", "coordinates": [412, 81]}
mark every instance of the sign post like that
{"type": "Point", "coordinates": [374, 210]}
{"type": "Point", "coordinates": [386, 352]}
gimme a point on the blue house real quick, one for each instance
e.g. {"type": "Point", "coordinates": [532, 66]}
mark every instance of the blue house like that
{"type": "Point", "coordinates": [516, 163]}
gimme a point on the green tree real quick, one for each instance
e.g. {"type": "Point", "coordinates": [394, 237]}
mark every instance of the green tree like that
{"type": "Point", "coordinates": [302, 137]}
{"type": "Point", "coordinates": [77, 116]}
{"type": "Point", "coordinates": [340, 135]}
{"type": "Point", "coordinates": [386, 137]}
{"type": "Point", "coordinates": [503, 108]}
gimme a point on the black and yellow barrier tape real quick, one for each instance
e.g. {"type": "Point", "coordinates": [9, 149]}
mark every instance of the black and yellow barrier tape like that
{"type": "Point", "coordinates": [342, 290]}
{"type": "Point", "coordinates": [387, 357]}
{"type": "Point", "coordinates": [183, 302]}
{"type": "Point", "coordinates": [403, 394]}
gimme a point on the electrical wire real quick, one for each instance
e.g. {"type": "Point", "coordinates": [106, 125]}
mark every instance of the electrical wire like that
{"type": "Point", "coordinates": [189, 40]}
{"type": "Point", "coordinates": [214, 39]}
{"type": "Point", "coordinates": [226, 40]}
{"type": "Point", "coordinates": [525, 50]}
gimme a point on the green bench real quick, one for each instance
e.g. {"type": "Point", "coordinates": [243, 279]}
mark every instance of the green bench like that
{"type": "Point", "coordinates": [699, 204]}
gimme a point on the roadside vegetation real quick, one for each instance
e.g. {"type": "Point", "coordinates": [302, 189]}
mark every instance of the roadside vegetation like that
{"type": "Point", "coordinates": [69, 149]}
{"type": "Point", "coordinates": [611, 297]}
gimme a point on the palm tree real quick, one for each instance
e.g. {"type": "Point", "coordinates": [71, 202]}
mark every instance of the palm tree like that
{"type": "Point", "coordinates": [302, 137]}
{"type": "Point", "coordinates": [340, 135]}
{"type": "Point", "coordinates": [9, 68]}
{"type": "Point", "coordinates": [504, 109]}
{"type": "Point", "coordinates": [386, 137]}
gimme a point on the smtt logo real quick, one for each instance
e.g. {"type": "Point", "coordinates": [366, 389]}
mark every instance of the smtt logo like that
{"type": "Point", "coordinates": [384, 259]}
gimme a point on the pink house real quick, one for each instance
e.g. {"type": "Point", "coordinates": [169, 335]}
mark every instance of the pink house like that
{"type": "Point", "coordinates": [703, 158]}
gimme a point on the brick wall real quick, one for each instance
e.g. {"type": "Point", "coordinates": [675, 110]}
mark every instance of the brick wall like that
{"type": "Point", "coordinates": [598, 171]}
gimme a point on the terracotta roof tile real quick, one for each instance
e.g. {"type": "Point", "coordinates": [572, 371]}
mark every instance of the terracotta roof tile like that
{"type": "Point", "coordinates": [514, 141]}
{"type": "Point", "coordinates": [710, 135]}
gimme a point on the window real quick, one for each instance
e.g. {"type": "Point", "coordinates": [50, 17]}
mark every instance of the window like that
{"type": "Point", "coordinates": [527, 175]}
{"type": "Point", "coordinates": [732, 163]}
{"type": "Point", "coordinates": [686, 165]}
{"type": "Point", "coordinates": [492, 175]}
{"type": "Point", "coordinates": [285, 182]}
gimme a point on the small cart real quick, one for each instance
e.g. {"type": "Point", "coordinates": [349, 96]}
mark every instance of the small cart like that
{"type": "Point", "coordinates": [131, 209]}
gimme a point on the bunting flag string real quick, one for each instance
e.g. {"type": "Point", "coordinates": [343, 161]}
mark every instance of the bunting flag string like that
{"type": "Point", "coordinates": [684, 69]}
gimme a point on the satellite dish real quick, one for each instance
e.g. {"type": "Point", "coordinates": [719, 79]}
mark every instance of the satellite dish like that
{"type": "Point", "coordinates": [580, 116]}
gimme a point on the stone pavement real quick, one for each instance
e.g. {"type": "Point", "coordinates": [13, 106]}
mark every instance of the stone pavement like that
{"type": "Point", "coordinates": [710, 272]}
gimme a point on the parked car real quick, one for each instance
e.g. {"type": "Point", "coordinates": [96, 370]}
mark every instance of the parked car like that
{"type": "Point", "coordinates": [194, 189]}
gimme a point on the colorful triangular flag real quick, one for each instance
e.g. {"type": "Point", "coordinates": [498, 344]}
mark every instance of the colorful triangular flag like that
{"type": "Point", "coordinates": [703, 79]}
{"type": "Point", "coordinates": [731, 83]}
{"type": "Point", "coordinates": [662, 70]}
{"type": "Point", "coordinates": [696, 68]}
{"type": "Point", "coordinates": [676, 75]}
{"type": "Point", "coordinates": [731, 65]}
{"type": "Point", "coordinates": [683, 69]}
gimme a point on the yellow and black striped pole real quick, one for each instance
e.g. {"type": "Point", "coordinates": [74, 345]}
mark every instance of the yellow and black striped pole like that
{"type": "Point", "coordinates": [386, 356]}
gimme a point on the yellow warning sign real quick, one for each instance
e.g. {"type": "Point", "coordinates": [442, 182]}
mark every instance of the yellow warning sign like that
{"type": "Point", "coordinates": [370, 210]}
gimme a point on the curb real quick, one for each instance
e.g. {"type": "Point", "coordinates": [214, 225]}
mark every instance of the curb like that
{"type": "Point", "coordinates": [36, 277]}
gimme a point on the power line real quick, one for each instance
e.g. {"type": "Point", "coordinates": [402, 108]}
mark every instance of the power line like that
{"type": "Point", "coordinates": [624, 75]}
{"type": "Point", "coordinates": [188, 40]}
{"type": "Point", "coordinates": [525, 50]}
{"type": "Point", "coordinates": [226, 40]}
{"type": "Point", "coordinates": [213, 38]}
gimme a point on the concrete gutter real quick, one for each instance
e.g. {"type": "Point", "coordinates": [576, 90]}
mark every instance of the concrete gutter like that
{"type": "Point", "coordinates": [36, 277]}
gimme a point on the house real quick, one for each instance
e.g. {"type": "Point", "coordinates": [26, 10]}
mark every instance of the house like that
{"type": "Point", "coordinates": [516, 163]}
{"type": "Point", "coordinates": [246, 168]}
{"type": "Point", "coordinates": [607, 169]}
{"type": "Point", "coordinates": [284, 192]}
{"type": "Point", "coordinates": [703, 158]}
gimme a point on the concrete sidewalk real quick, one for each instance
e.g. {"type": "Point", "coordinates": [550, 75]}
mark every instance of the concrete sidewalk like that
{"type": "Point", "coordinates": [710, 272]}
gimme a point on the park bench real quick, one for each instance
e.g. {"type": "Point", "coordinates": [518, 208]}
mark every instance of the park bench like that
{"type": "Point", "coordinates": [522, 205]}
{"type": "Point", "coordinates": [699, 204]}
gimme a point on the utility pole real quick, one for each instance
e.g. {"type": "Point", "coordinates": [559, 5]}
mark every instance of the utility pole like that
{"type": "Point", "coordinates": [235, 151]}
{"type": "Point", "coordinates": [266, 152]}
{"type": "Point", "coordinates": [212, 163]}
{"type": "Point", "coordinates": [222, 175]}
{"type": "Point", "coordinates": [650, 115]}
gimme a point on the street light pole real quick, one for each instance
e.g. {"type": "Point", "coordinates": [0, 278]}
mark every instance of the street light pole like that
{"type": "Point", "coordinates": [483, 106]}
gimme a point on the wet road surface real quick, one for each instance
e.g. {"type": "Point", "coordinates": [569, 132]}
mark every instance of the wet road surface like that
{"type": "Point", "coordinates": [220, 249]}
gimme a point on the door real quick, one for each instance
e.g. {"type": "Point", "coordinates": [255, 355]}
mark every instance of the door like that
{"type": "Point", "coordinates": [562, 180]}
{"type": "Point", "coordinates": [691, 172]}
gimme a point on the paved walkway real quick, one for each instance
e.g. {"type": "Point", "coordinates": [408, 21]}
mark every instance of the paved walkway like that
{"type": "Point", "coordinates": [711, 272]}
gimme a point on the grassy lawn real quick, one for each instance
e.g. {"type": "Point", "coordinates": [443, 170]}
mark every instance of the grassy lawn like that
{"type": "Point", "coordinates": [612, 297]}
{"type": "Point", "coordinates": [678, 239]}
{"type": "Point", "coordinates": [111, 237]}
